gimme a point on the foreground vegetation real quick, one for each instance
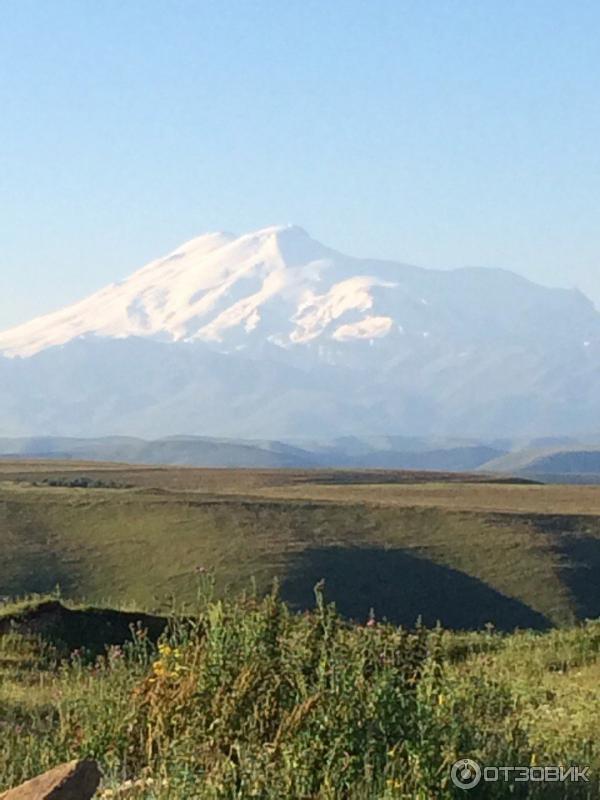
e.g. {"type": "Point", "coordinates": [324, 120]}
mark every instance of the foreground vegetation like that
{"type": "Point", "coordinates": [245, 698]}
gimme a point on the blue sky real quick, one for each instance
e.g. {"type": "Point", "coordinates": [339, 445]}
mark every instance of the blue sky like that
{"type": "Point", "coordinates": [434, 132]}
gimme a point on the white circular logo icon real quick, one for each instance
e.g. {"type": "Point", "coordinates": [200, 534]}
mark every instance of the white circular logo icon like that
{"type": "Point", "coordinates": [465, 773]}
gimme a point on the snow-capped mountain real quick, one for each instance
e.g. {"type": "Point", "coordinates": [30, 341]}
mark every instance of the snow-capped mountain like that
{"type": "Point", "coordinates": [272, 334]}
{"type": "Point", "coordinates": [277, 284]}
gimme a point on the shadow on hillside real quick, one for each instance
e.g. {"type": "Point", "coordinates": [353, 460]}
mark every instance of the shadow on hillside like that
{"type": "Point", "coordinates": [582, 574]}
{"type": "Point", "coordinates": [401, 587]}
{"type": "Point", "coordinates": [579, 549]}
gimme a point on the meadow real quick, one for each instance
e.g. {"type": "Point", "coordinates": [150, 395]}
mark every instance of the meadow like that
{"type": "Point", "coordinates": [459, 549]}
{"type": "Point", "coordinates": [347, 690]}
{"type": "Point", "coordinates": [247, 699]}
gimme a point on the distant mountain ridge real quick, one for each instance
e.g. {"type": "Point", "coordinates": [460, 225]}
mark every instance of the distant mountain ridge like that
{"type": "Point", "coordinates": [203, 451]}
{"type": "Point", "coordinates": [273, 335]}
{"type": "Point", "coordinates": [570, 463]}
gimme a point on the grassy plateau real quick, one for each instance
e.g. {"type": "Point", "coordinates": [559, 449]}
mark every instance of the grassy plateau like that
{"type": "Point", "coordinates": [227, 689]}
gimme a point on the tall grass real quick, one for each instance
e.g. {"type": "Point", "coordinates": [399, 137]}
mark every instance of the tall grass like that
{"type": "Point", "coordinates": [246, 699]}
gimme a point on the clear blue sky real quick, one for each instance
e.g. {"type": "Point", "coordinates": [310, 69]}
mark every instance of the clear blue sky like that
{"type": "Point", "coordinates": [437, 132]}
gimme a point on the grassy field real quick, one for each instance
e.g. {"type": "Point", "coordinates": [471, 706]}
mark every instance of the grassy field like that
{"type": "Point", "coordinates": [462, 550]}
{"type": "Point", "coordinates": [248, 698]}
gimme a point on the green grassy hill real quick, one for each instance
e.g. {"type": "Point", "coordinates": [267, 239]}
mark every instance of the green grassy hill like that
{"type": "Point", "coordinates": [461, 550]}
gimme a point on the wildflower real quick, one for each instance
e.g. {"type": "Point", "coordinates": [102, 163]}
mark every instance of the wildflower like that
{"type": "Point", "coordinates": [159, 668]}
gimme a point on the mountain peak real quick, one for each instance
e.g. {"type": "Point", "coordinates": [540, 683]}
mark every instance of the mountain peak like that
{"type": "Point", "coordinates": [280, 230]}
{"type": "Point", "coordinates": [279, 287]}
{"type": "Point", "coordinates": [273, 333]}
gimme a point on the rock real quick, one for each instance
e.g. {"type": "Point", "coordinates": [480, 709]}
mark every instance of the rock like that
{"type": "Point", "coordinates": [77, 780]}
